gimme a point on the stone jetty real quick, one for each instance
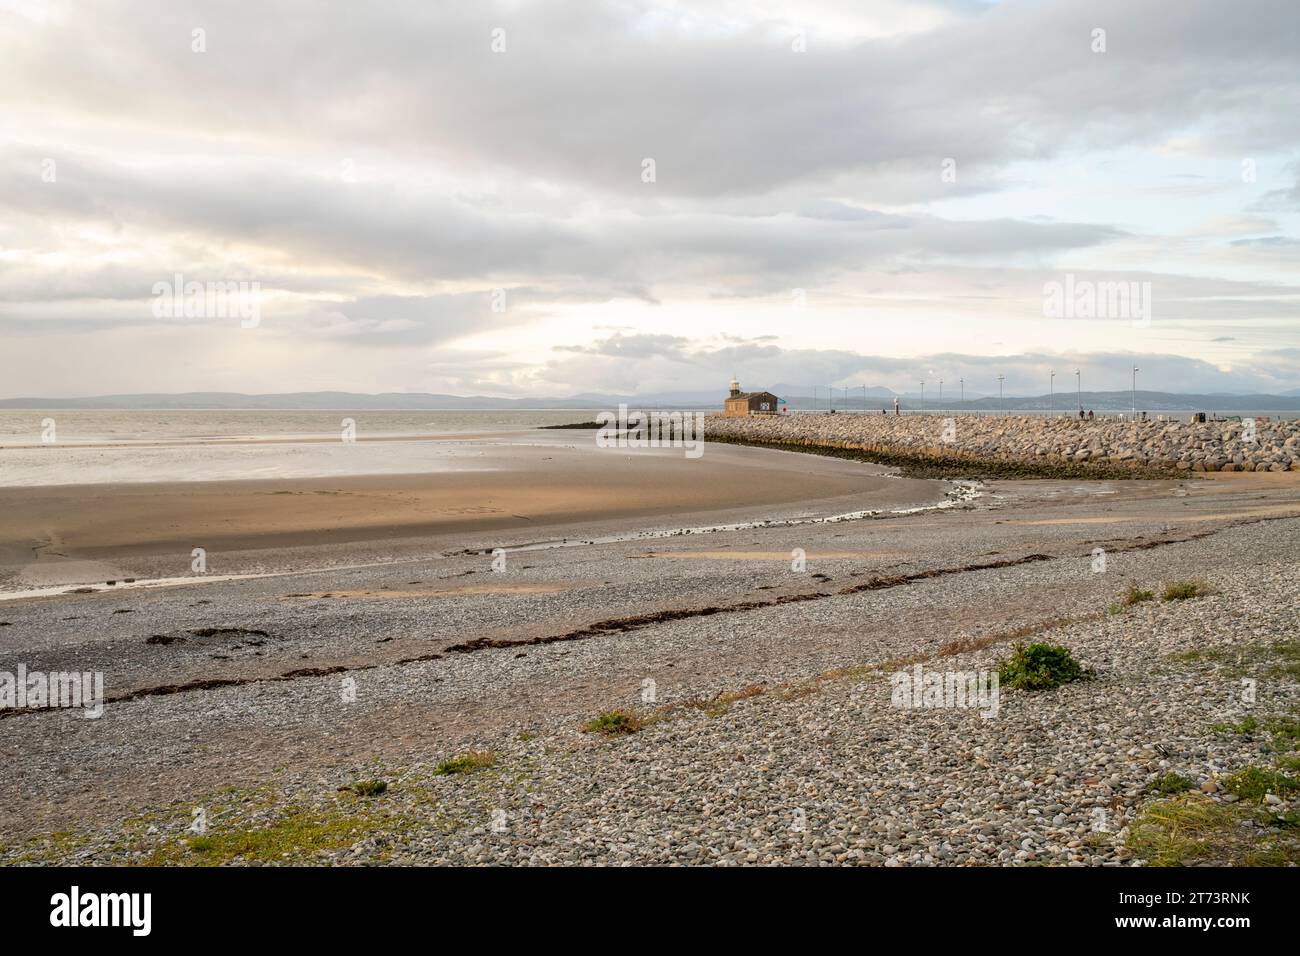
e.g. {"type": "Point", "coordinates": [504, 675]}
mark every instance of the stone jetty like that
{"type": "Point", "coordinates": [1102, 445]}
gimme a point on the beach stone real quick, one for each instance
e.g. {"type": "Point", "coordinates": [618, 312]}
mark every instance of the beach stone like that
{"type": "Point", "coordinates": [1102, 444]}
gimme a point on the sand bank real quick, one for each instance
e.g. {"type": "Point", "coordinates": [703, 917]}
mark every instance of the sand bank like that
{"type": "Point", "coordinates": [512, 491]}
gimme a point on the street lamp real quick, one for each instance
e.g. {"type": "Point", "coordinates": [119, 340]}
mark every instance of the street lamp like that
{"type": "Point", "coordinates": [1001, 401]}
{"type": "Point", "coordinates": [1051, 388]}
{"type": "Point", "coordinates": [1078, 381]}
{"type": "Point", "coordinates": [1135, 390]}
{"type": "Point", "coordinates": [923, 398]}
{"type": "Point", "coordinates": [962, 382]}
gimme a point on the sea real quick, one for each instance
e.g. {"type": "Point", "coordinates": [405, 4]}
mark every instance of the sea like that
{"type": "Point", "coordinates": [96, 426]}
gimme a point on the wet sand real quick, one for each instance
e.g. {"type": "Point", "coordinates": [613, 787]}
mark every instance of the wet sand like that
{"type": "Point", "coordinates": [548, 487]}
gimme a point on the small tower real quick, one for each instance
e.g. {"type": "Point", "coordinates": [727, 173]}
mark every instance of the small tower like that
{"type": "Point", "coordinates": [735, 388]}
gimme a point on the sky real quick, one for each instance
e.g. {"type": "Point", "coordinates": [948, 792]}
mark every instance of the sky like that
{"type": "Point", "coordinates": [552, 198]}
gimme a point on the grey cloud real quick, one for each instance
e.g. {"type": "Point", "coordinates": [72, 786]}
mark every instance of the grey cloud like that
{"type": "Point", "coordinates": [702, 365]}
{"type": "Point", "coordinates": [581, 95]}
{"type": "Point", "coordinates": [419, 236]}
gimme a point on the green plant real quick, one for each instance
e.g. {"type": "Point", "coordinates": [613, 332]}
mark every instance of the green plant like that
{"type": "Point", "coordinates": [369, 788]}
{"type": "Point", "coordinates": [202, 844]}
{"type": "Point", "coordinates": [1040, 667]}
{"type": "Point", "coordinates": [1247, 727]}
{"type": "Point", "coordinates": [466, 763]}
{"type": "Point", "coordinates": [1171, 783]}
{"type": "Point", "coordinates": [1251, 783]}
{"type": "Point", "coordinates": [1135, 595]}
{"type": "Point", "coordinates": [1183, 590]}
{"type": "Point", "coordinates": [613, 723]}
{"type": "Point", "coordinates": [1191, 829]}
{"type": "Point", "coordinates": [1286, 733]}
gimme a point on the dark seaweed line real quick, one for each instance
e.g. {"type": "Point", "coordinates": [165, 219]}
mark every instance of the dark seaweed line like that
{"type": "Point", "coordinates": [622, 625]}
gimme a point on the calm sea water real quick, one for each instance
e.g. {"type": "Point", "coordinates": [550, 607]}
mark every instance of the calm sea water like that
{"type": "Point", "coordinates": [105, 425]}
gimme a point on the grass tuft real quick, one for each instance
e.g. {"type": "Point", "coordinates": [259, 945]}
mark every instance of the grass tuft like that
{"type": "Point", "coordinates": [613, 723]}
{"type": "Point", "coordinates": [1192, 829]}
{"type": "Point", "coordinates": [1040, 667]}
{"type": "Point", "coordinates": [1244, 728]}
{"type": "Point", "coordinates": [369, 788]}
{"type": "Point", "coordinates": [1172, 783]}
{"type": "Point", "coordinates": [1136, 595]}
{"type": "Point", "coordinates": [1184, 590]}
{"type": "Point", "coordinates": [1251, 783]}
{"type": "Point", "coordinates": [470, 762]}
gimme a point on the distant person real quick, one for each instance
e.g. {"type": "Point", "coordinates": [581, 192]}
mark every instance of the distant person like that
{"type": "Point", "coordinates": [1090, 415]}
{"type": "Point", "coordinates": [1081, 415]}
{"type": "Point", "coordinates": [895, 406]}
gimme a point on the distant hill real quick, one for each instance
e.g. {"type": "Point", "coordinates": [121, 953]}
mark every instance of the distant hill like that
{"type": "Point", "coordinates": [416, 401]}
{"type": "Point", "coordinates": [1146, 401]}
{"type": "Point", "coordinates": [1097, 401]}
{"type": "Point", "coordinates": [798, 398]}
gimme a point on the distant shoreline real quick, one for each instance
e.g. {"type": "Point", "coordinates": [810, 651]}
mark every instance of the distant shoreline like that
{"type": "Point", "coordinates": [796, 398]}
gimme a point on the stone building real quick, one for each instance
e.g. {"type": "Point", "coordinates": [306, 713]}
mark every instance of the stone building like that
{"type": "Point", "coordinates": [740, 404]}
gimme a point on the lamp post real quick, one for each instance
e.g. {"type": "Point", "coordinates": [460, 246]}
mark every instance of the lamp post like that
{"type": "Point", "coordinates": [923, 398]}
{"type": "Point", "coordinates": [1078, 381]}
{"type": "Point", "coordinates": [940, 394]}
{"type": "Point", "coordinates": [1051, 390]}
{"type": "Point", "coordinates": [1135, 390]}
{"type": "Point", "coordinates": [1001, 400]}
{"type": "Point", "coordinates": [962, 383]}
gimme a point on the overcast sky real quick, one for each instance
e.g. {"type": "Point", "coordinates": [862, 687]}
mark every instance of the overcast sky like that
{"type": "Point", "coordinates": [455, 197]}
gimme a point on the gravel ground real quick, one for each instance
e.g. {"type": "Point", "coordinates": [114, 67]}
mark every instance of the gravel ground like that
{"type": "Point", "coordinates": [771, 737]}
